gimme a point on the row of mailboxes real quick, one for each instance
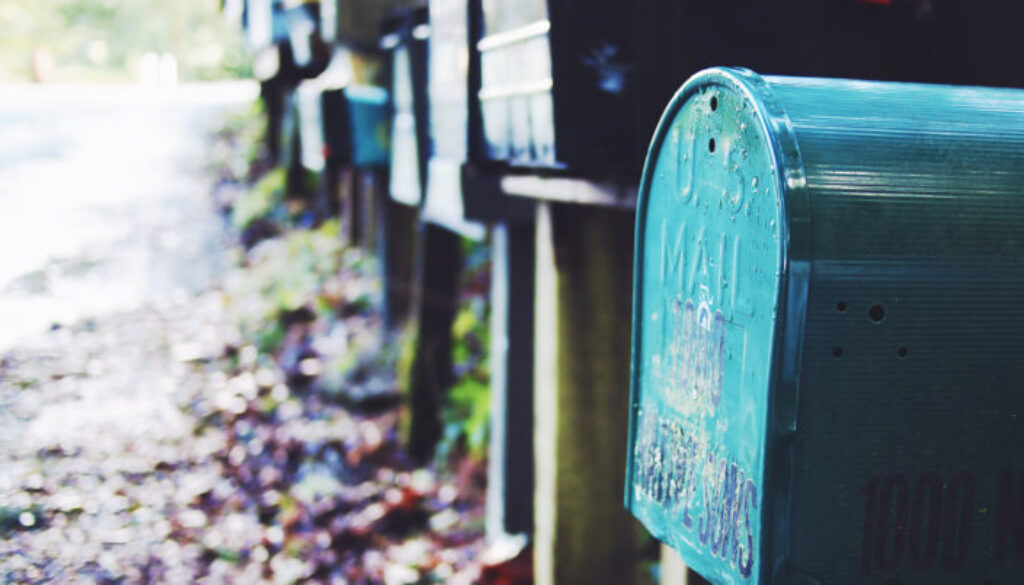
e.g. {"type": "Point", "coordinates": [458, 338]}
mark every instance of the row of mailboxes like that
{"type": "Point", "coordinates": [358, 24]}
{"type": "Point", "coordinates": [826, 327]}
{"type": "Point", "coordinates": [555, 94]}
{"type": "Point", "coordinates": [436, 121]}
{"type": "Point", "coordinates": [526, 87]}
{"type": "Point", "coordinates": [285, 38]}
{"type": "Point", "coordinates": [565, 92]}
{"type": "Point", "coordinates": [340, 122]}
{"type": "Point", "coordinates": [827, 381]}
{"type": "Point", "coordinates": [265, 23]}
{"type": "Point", "coordinates": [421, 126]}
{"type": "Point", "coordinates": [342, 126]}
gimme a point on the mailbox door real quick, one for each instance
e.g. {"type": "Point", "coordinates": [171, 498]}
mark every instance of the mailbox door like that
{"type": "Point", "coordinates": [329, 20]}
{"type": "Point", "coordinates": [447, 79]}
{"type": "Point", "coordinates": [337, 129]}
{"type": "Point", "coordinates": [259, 18]}
{"type": "Point", "coordinates": [406, 186]}
{"type": "Point", "coordinates": [368, 118]}
{"type": "Point", "coordinates": [448, 85]}
{"type": "Point", "coordinates": [516, 82]}
{"type": "Point", "coordinates": [308, 96]}
{"type": "Point", "coordinates": [303, 26]}
{"type": "Point", "coordinates": [708, 273]}
{"type": "Point", "coordinates": [279, 23]}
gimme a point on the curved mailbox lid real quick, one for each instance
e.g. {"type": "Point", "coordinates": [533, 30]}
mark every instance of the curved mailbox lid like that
{"type": "Point", "coordinates": [710, 244]}
{"type": "Point", "coordinates": [895, 311]}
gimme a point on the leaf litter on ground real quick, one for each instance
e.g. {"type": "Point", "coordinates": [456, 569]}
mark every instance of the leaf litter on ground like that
{"type": "Point", "coordinates": [245, 435]}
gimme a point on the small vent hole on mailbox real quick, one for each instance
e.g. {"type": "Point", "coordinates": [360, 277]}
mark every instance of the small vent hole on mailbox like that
{"type": "Point", "coordinates": [902, 352]}
{"type": "Point", "coordinates": [841, 306]}
{"type": "Point", "coordinates": [711, 145]}
{"type": "Point", "coordinates": [837, 352]}
{"type": "Point", "coordinates": [876, 313]}
{"type": "Point", "coordinates": [714, 103]}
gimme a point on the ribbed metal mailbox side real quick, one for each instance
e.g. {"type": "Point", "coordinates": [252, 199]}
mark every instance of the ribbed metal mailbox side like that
{"type": "Point", "coordinates": [826, 380]}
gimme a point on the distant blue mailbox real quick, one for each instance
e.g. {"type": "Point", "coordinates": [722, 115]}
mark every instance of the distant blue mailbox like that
{"type": "Point", "coordinates": [828, 358]}
{"type": "Point", "coordinates": [355, 126]}
{"type": "Point", "coordinates": [369, 115]}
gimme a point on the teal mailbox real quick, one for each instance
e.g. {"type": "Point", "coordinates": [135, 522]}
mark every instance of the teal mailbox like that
{"type": "Point", "coordinates": [369, 115]}
{"type": "Point", "coordinates": [828, 357]}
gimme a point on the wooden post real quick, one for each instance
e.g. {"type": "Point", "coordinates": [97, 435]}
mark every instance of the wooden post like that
{"type": "Point", "coordinates": [675, 572]}
{"type": "Point", "coordinates": [328, 193]}
{"type": "Point", "coordinates": [273, 107]}
{"type": "Point", "coordinates": [348, 187]}
{"type": "Point", "coordinates": [369, 208]}
{"type": "Point", "coordinates": [581, 395]}
{"type": "Point", "coordinates": [437, 273]}
{"type": "Point", "coordinates": [510, 465]}
{"type": "Point", "coordinates": [397, 250]}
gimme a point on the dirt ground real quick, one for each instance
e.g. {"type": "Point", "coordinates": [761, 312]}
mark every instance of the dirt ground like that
{"type": "Point", "coordinates": [144, 438]}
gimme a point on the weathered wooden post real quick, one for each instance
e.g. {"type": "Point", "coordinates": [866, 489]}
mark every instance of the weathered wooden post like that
{"type": "Point", "coordinates": [579, 387]}
{"type": "Point", "coordinates": [583, 243]}
{"type": "Point", "coordinates": [397, 256]}
{"type": "Point", "coordinates": [510, 477]}
{"type": "Point", "coordinates": [674, 571]}
{"type": "Point", "coordinates": [437, 270]}
{"type": "Point", "coordinates": [554, 99]}
{"type": "Point", "coordinates": [444, 222]}
{"type": "Point", "coordinates": [405, 45]}
{"type": "Point", "coordinates": [464, 197]}
{"type": "Point", "coordinates": [337, 140]}
{"type": "Point", "coordinates": [511, 474]}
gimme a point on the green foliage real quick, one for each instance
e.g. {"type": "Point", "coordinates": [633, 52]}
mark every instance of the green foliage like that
{"type": "Point", "coordinates": [283, 275]}
{"type": "Point", "coordinates": [240, 144]}
{"type": "Point", "coordinates": [306, 183]}
{"type": "Point", "coordinates": [406, 356]}
{"type": "Point", "coordinates": [226, 554]}
{"type": "Point", "coordinates": [467, 412]}
{"type": "Point", "coordinates": [260, 201]}
{"type": "Point", "coordinates": [404, 361]}
{"type": "Point", "coordinates": [471, 336]}
{"type": "Point", "coordinates": [338, 373]}
{"type": "Point", "coordinates": [270, 338]}
{"type": "Point", "coordinates": [103, 40]}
